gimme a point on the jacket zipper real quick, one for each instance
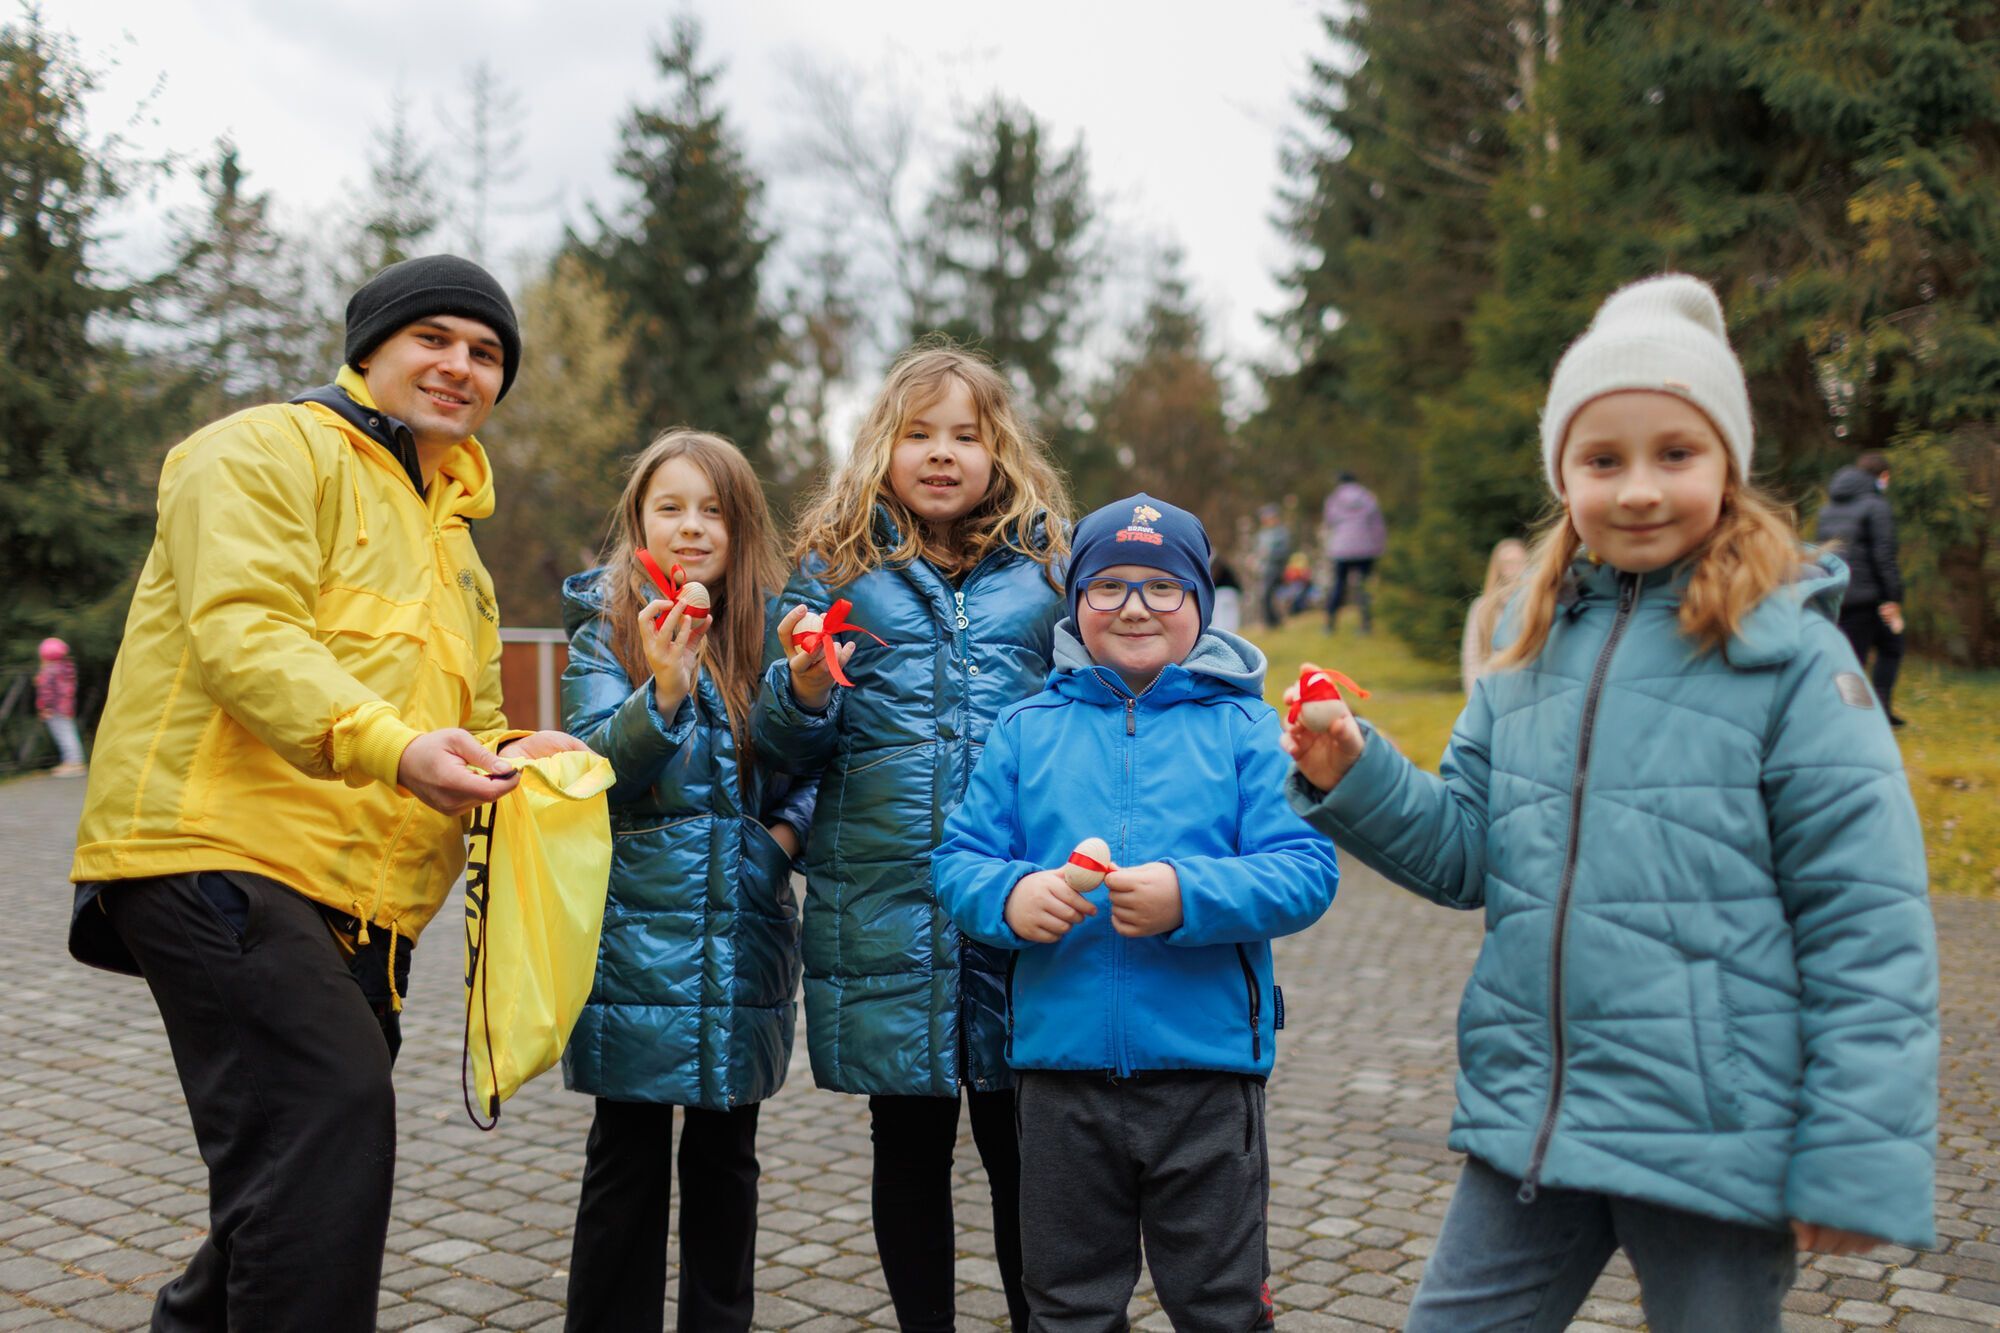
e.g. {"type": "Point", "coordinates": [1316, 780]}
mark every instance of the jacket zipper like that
{"type": "Point", "coordinates": [1628, 598]}
{"type": "Point", "coordinates": [1124, 1057]}
{"type": "Point", "coordinates": [1256, 1006]}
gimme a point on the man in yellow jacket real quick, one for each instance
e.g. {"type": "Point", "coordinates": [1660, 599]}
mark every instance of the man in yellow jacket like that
{"type": "Point", "coordinates": [306, 701]}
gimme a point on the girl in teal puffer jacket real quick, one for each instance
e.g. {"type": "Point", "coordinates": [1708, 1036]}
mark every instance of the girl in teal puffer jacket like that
{"type": "Point", "coordinates": [942, 529]}
{"type": "Point", "coordinates": [1703, 1023]}
{"type": "Point", "coordinates": [694, 1001]}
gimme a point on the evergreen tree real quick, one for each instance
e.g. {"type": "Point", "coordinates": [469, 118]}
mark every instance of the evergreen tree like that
{"type": "Point", "coordinates": [1007, 256]}
{"type": "Point", "coordinates": [235, 295]}
{"type": "Point", "coordinates": [75, 490]}
{"type": "Point", "coordinates": [683, 260]}
{"type": "Point", "coordinates": [558, 448]}
{"type": "Point", "coordinates": [490, 131]}
{"type": "Point", "coordinates": [1157, 420]}
{"type": "Point", "coordinates": [400, 215]}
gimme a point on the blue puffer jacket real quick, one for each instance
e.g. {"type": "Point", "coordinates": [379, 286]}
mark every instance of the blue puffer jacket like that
{"type": "Point", "coordinates": [698, 967]}
{"type": "Point", "coordinates": [896, 1002]}
{"type": "Point", "coordinates": [1709, 977]}
{"type": "Point", "coordinates": [1188, 772]}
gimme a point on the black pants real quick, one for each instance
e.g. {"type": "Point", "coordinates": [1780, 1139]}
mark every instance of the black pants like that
{"type": "Point", "coordinates": [914, 1139]}
{"type": "Point", "coordinates": [1862, 624]}
{"type": "Point", "coordinates": [618, 1265]}
{"type": "Point", "coordinates": [1178, 1157]}
{"type": "Point", "coordinates": [286, 1071]}
{"type": "Point", "coordinates": [1360, 571]}
{"type": "Point", "coordinates": [1274, 585]}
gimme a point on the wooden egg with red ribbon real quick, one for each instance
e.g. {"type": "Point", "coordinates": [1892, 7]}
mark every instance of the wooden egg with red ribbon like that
{"type": "Point", "coordinates": [694, 601]}
{"type": "Point", "coordinates": [819, 634]}
{"type": "Point", "coordinates": [1313, 704]}
{"type": "Point", "coordinates": [1087, 865]}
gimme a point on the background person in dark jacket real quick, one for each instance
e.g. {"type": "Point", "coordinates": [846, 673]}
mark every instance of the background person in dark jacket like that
{"type": "Point", "coordinates": [1857, 517]}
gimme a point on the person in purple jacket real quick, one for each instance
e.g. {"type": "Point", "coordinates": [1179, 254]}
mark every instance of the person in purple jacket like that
{"type": "Point", "coordinates": [1356, 536]}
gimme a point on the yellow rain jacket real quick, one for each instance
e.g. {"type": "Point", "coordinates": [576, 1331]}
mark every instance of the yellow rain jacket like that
{"type": "Point", "coordinates": [304, 614]}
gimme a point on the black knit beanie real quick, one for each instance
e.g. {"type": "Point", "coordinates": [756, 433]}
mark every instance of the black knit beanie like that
{"type": "Point", "coordinates": [431, 285]}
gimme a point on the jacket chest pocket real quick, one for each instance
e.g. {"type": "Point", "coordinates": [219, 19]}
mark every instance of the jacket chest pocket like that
{"type": "Point", "coordinates": [404, 651]}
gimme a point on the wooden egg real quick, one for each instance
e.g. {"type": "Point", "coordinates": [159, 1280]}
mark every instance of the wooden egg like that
{"type": "Point", "coordinates": [809, 623]}
{"type": "Point", "coordinates": [1319, 714]}
{"type": "Point", "coordinates": [1084, 878]}
{"type": "Point", "coordinates": [695, 600]}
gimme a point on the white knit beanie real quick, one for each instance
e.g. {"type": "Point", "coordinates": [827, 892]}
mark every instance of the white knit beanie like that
{"type": "Point", "coordinates": [1665, 334]}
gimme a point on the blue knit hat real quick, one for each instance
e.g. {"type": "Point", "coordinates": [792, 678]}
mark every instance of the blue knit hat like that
{"type": "Point", "coordinates": [1140, 530]}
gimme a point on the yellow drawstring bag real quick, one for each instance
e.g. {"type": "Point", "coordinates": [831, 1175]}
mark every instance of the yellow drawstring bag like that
{"type": "Point", "coordinates": [538, 864]}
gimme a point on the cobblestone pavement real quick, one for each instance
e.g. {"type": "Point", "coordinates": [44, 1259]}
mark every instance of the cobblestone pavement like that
{"type": "Point", "coordinates": [101, 1193]}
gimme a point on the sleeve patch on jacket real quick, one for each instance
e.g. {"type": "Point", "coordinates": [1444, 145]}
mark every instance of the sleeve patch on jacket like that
{"type": "Point", "coordinates": [1854, 691]}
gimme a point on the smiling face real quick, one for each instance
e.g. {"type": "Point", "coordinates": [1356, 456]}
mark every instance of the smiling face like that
{"type": "Point", "coordinates": [682, 518]}
{"type": "Point", "coordinates": [1644, 476]}
{"type": "Point", "coordinates": [1134, 640]}
{"type": "Point", "coordinates": [939, 466]}
{"type": "Point", "coordinates": [440, 376]}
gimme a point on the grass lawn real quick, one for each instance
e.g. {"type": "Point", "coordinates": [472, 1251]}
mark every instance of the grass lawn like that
{"type": "Point", "coordinates": [1951, 747]}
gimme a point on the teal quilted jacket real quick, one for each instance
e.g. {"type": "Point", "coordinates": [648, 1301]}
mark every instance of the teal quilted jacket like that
{"type": "Point", "coordinates": [1709, 973]}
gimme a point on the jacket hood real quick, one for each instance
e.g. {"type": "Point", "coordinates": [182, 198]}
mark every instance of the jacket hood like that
{"type": "Point", "coordinates": [1350, 497]}
{"type": "Point", "coordinates": [465, 475]}
{"type": "Point", "coordinates": [1773, 631]}
{"type": "Point", "coordinates": [582, 598]}
{"type": "Point", "coordinates": [1850, 483]}
{"type": "Point", "coordinates": [1220, 663]}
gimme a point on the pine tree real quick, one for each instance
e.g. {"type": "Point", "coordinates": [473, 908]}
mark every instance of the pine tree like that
{"type": "Point", "coordinates": [1007, 254]}
{"type": "Point", "coordinates": [490, 130]}
{"type": "Point", "coordinates": [683, 262]}
{"type": "Point", "coordinates": [235, 296]}
{"type": "Point", "coordinates": [75, 489]}
{"type": "Point", "coordinates": [1157, 421]}
{"type": "Point", "coordinates": [400, 214]}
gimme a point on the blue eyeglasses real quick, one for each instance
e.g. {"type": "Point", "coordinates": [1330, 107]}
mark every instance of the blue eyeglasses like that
{"type": "Point", "coordinates": [1160, 596]}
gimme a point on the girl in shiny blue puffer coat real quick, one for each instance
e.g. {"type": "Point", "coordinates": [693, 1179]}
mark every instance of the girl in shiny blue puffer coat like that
{"type": "Point", "coordinates": [942, 530]}
{"type": "Point", "coordinates": [694, 1000]}
{"type": "Point", "coordinates": [1703, 1022]}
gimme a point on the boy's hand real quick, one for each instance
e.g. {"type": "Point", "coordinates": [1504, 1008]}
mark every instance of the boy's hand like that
{"type": "Point", "coordinates": [812, 683]}
{"type": "Point", "coordinates": [1145, 900]}
{"type": "Point", "coordinates": [1322, 757]}
{"type": "Point", "coordinates": [1832, 1240]}
{"type": "Point", "coordinates": [1042, 907]}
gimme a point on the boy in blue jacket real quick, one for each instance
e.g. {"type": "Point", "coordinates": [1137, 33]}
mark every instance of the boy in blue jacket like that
{"type": "Point", "coordinates": [1142, 1013]}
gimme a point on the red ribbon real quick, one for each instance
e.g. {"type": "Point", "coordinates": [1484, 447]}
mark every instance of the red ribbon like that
{"type": "Point", "coordinates": [835, 622]}
{"type": "Point", "coordinates": [1318, 684]}
{"type": "Point", "coordinates": [1097, 867]}
{"type": "Point", "coordinates": [670, 583]}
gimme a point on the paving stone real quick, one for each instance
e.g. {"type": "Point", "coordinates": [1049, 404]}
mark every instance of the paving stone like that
{"type": "Point", "coordinates": [99, 1180]}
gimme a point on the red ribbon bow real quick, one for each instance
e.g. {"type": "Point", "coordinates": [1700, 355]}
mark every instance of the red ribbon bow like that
{"type": "Point", "coordinates": [670, 583]}
{"type": "Point", "coordinates": [834, 622]}
{"type": "Point", "coordinates": [1097, 867]}
{"type": "Point", "coordinates": [1317, 684]}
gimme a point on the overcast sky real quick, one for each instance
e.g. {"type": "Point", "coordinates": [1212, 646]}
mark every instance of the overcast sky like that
{"type": "Point", "coordinates": [1183, 106]}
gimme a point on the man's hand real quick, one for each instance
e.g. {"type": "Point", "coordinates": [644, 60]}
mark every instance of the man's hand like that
{"type": "Point", "coordinates": [672, 652]}
{"type": "Point", "coordinates": [1145, 900]}
{"type": "Point", "coordinates": [812, 682]}
{"type": "Point", "coordinates": [1892, 616]}
{"type": "Point", "coordinates": [437, 767]}
{"type": "Point", "coordinates": [1322, 757]}
{"type": "Point", "coordinates": [1832, 1240]}
{"type": "Point", "coordinates": [540, 745]}
{"type": "Point", "coordinates": [1042, 907]}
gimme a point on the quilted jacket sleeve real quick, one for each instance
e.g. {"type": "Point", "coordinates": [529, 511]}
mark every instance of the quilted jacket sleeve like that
{"type": "Point", "coordinates": [790, 737]}
{"type": "Point", "coordinates": [1426, 832]}
{"type": "Point", "coordinates": [1849, 856]}
{"type": "Point", "coordinates": [976, 866]}
{"type": "Point", "coordinates": [1283, 877]}
{"type": "Point", "coordinates": [602, 709]}
{"type": "Point", "coordinates": [1881, 526]}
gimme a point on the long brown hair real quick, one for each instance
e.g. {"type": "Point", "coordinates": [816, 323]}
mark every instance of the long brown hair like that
{"type": "Point", "coordinates": [838, 523]}
{"type": "Point", "coordinates": [1752, 551]}
{"type": "Point", "coordinates": [733, 648]}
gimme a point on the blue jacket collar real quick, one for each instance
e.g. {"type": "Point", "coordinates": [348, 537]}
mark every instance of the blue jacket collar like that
{"type": "Point", "coordinates": [1221, 664]}
{"type": "Point", "coordinates": [1770, 634]}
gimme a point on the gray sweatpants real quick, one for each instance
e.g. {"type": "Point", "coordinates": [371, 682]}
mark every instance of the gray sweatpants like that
{"type": "Point", "coordinates": [1178, 1157]}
